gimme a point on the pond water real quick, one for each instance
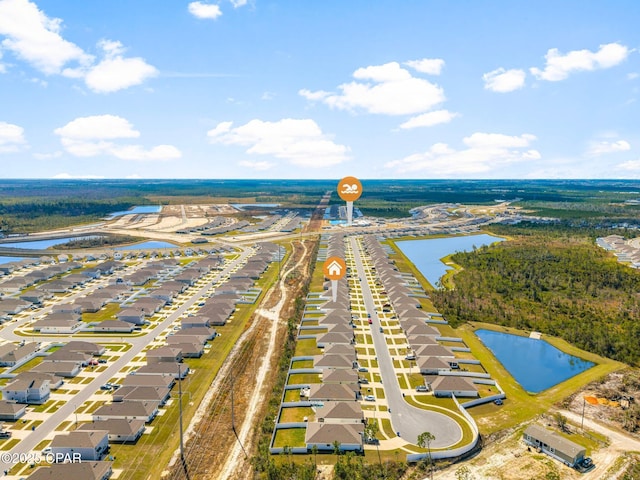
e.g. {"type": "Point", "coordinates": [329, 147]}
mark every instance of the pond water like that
{"type": "Point", "coordinates": [42, 244]}
{"type": "Point", "coordinates": [425, 254]}
{"type": "Point", "coordinates": [150, 245]}
{"type": "Point", "coordinates": [535, 364]}
{"type": "Point", "coordinates": [137, 210]}
{"type": "Point", "coordinates": [10, 259]}
{"type": "Point", "coordinates": [242, 206]}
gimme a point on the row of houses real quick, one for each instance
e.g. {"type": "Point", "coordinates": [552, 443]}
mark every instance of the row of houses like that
{"type": "Point", "coordinates": [338, 412]}
{"type": "Point", "coordinates": [34, 386]}
{"type": "Point", "coordinates": [434, 361]}
{"type": "Point", "coordinates": [621, 248]}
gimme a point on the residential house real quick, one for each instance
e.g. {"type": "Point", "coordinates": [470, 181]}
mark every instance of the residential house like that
{"type": "Point", "coordinates": [75, 471]}
{"type": "Point", "coordinates": [90, 444]}
{"type": "Point", "coordinates": [120, 430]}
{"type": "Point", "coordinates": [554, 445]}
{"type": "Point", "coordinates": [27, 391]}
{"type": "Point", "coordinates": [324, 435]}
{"type": "Point", "coordinates": [11, 411]}
{"type": "Point", "coordinates": [128, 410]}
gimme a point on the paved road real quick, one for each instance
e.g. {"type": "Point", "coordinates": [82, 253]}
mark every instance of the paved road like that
{"type": "Point", "coordinates": [410, 421]}
{"type": "Point", "coordinates": [28, 444]}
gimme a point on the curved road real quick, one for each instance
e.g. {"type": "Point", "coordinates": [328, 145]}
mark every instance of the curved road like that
{"type": "Point", "coordinates": [410, 421]}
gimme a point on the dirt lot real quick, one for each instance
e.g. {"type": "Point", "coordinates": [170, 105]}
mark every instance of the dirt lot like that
{"type": "Point", "coordinates": [506, 457]}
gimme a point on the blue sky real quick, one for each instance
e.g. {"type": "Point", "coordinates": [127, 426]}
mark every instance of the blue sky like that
{"type": "Point", "coordinates": [319, 89]}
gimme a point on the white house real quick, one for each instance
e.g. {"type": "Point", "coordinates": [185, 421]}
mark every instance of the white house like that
{"type": "Point", "coordinates": [91, 444]}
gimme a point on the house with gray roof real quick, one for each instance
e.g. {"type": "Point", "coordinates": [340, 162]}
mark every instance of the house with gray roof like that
{"type": "Point", "coordinates": [446, 386]}
{"type": "Point", "coordinates": [325, 392]}
{"type": "Point", "coordinates": [27, 391]}
{"type": "Point", "coordinates": [11, 411]}
{"type": "Point", "coordinates": [89, 444]}
{"type": "Point", "coordinates": [120, 430]}
{"type": "Point", "coordinates": [340, 412]}
{"type": "Point", "coordinates": [323, 436]}
{"type": "Point", "coordinates": [128, 410]}
{"type": "Point", "coordinates": [80, 471]}
{"type": "Point", "coordinates": [554, 445]}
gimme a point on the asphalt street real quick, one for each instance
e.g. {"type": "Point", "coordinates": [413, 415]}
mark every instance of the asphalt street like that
{"type": "Point", "coordinates": [406, 419]}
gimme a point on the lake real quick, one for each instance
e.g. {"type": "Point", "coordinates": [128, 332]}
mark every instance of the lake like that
{"type": "Point", "coordinates": [535, 364]}
{"type": "Point", "coordinates": [138, 210]}
{"type": "Point", "coordinates": [10, 259]}
{"type": "Point", "coordinates": [426, 254]}
{"type": "Point", "coordinates": [42, 244]}
{"type": "Point", "coordinates": [151, 245]}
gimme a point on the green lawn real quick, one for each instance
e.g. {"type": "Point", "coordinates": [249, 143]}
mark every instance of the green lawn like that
{"type": "Point", "coordinates": [302, 378]}
{"type": "Point", "coordinates": [296, 414]}
{"type": "Point", "coordinates": [290, 437]}
{"type": "Point", "coordinates": [306, 347]}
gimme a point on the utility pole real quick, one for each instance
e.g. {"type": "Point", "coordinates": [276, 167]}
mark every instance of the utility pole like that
{"type": "Point", "coordinates": [180, 409]}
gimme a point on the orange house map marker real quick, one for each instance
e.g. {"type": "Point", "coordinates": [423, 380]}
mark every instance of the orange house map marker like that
{"type": "Point", "coordinates": [334, 268]}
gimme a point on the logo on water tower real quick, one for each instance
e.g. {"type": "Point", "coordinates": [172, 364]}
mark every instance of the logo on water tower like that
{"type": "Point", "coordinates": [334, 268]}
{"type": "Point", "coordinates": [349, 189]}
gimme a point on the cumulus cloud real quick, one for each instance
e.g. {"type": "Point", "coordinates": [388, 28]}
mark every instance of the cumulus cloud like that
{"type": "Point", "coordinates": [238, 3]}
{"type": "Point", "coordinates": [96, 135]}
{"type": "Point", "coordinates": [484, 153]}
{"type": "Point", "coordinates": [115, 72]}
{"type": "Point", "coordinates": [502, 81]}
{"type": "Point", "coordinates": [559, 66]}
{"type": "Point", "coordinates": [431, 66]}
{"type": "Point", "coordinates": [382, 89]}
{"type": "Point", "coordinates": [299, 141]}
{"type": "Point", "coordinates": [602, 148]}
{"type": "Point", "coordinates": [260, 166]}
{"type": "Point", "coordinates": [35, 38]}
{"type": "Point", "coordinates": [205, 10]}
{"type": "Point", "coordinates": [630, 165]}
{"type": "Point", "coordinates": [429, 119]}
{"type": "Point", "coordinates": [11, 138]}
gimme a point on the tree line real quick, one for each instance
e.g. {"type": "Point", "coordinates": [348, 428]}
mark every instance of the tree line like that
{"type": "Point", "coordinates": [561, 285]}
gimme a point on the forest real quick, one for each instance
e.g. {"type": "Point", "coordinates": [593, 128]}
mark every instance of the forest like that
{"type": "Point", "coordinates": [551, 281]}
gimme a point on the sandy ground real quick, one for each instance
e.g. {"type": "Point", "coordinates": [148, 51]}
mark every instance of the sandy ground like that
{"type": "Point", "coordinates": [509, 459]}
{"type": "Point", "coordinates": [234, 461]}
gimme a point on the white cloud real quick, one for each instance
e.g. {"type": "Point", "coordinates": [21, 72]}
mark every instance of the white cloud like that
{"type": "Point", "coordinates": [97, 127]}
{"type": "Point", "coordinates": [384, 89]}
{"type": "Point", "coordinates": [431, 66]}
{"type": "Point", "coordinates": [602, 148]}
{"type": "Point", "coordinates": [95, 135]}
{"type": "Point", "coordinates": [559, 66]}
{"type": "Point", "coordinates": [36, 39]}
{"type": "Point", "coordinates": [47, 156]}
{"type": "Point", "coordinates": [630, 165]}
{"type": "Point", "coordinates": [501, 80]}
{"type": "Point", "coordinates": [3, 67]}
{"type": "Point", "coordinates": [68, 176]}
{"type": "Point", "coordinates": [238, 3]}
{"type": "Point", "coordinates": [204, 10]}
{"type": "Point", "coordinates": [118, 73]}
{"type": "Point", "coordinates": [633, 75]}
{"type": "Point", "coordinates": [429, 119]}
{"type": "Point", "coordinates": [300, 141]}
{"type": "Point", "coordinates": [485, 152]}
{"type": "Point", "coordinates": [114, 72]}
{"type": "Point", "coordinates": [11, 138]}
{"type": "Point", "coordinates": [260, 166]}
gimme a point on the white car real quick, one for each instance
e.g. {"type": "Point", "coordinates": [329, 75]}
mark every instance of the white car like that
{"type": "Point", "coordinates": [370, 398]}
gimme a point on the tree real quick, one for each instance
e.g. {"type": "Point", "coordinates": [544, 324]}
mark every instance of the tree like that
{"type": "Point", "coordinates": [371, 429]}
{"type": "Point", "coordinates": [463, 473]}
{"type": "Point", "coordinates": [424, 440]}
{"type": "Point", "coordinates": [336, 449]}
{"type": "Point", "coordinates": [314, 450]}
{"type": "Point", "coordinates": [561, 421]}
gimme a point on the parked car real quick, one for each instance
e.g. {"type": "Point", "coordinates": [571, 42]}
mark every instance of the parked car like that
{"type": "Point", "coordinates": [370, 398]}
{"type": "Point", "coordinates": [370, 321]}
{"type": "Point", "coordinates": [381, 330]}
{"type": "Point", "coordinates": [422, 388]}
{"type": "Point", "coordinates": [363, 369]}
{"type": "Point", "coordinates": [105, 387]}
{"type": "Point", "coordinates": [363, 380]}
{"type": "Point", "coordinates": [5, 434]}
{"type": "Point", "coordinates": [102, 360]}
